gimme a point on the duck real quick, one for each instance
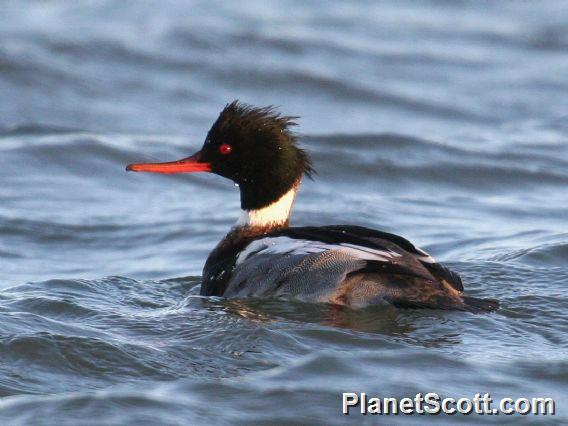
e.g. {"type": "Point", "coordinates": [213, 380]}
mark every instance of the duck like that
{"type": "Point", "coordinates": [263, 257]}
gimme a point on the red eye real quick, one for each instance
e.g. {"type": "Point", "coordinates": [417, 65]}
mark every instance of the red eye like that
{"type": "Point", "coordinates": [225, 149]}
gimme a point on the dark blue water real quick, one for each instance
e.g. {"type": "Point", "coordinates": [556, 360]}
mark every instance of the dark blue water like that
{"type": "Point", "coordinates": [445, 122]}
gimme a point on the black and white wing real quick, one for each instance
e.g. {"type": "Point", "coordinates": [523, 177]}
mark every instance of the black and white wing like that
{"type": "Point", "coordinates": [321, 264]}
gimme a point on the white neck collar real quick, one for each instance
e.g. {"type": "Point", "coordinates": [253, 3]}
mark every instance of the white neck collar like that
{"type": "Point", "coordinates": [274, 214]}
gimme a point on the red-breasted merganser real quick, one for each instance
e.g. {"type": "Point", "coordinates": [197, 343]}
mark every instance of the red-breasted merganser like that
{"type": "Point", "coordinates": [263, 257]}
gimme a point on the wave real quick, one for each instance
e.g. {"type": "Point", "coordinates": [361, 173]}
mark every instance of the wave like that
{"type": "Point", "coordinates": [388, 155]}
{"type": "Point", "coordinates": [550, 254]}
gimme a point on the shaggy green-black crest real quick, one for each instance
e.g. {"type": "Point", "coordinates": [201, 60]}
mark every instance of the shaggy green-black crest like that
{"type": "Point", "coordinates": [256, 148]}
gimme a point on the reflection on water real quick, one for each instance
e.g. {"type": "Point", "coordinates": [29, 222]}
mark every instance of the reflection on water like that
{"type": "Point", "coordinates": [422, 328]}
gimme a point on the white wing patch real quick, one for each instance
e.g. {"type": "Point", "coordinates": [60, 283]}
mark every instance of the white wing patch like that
{"type": "Point", "coordinates": [425, 257]}
{"type": "Point", "coordinates": [286, 245]}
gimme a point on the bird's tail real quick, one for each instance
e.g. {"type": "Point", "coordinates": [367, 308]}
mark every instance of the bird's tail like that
{"type": "Point", "coordinates": [476, 305]}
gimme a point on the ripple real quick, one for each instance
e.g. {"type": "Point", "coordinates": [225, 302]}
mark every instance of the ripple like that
{"type": "Point", "coordinates": [542, 255]}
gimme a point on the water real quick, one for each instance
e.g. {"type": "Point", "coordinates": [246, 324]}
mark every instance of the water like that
{"type": "Point", "coordinates": [442, 121]}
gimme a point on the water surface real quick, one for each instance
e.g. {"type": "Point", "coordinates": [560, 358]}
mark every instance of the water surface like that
{"type": "Point", "coordinates": [444, 122]}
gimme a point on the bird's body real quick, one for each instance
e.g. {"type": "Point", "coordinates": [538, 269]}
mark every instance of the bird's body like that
{"type": "Point", "coordinates": [263, 257]}
{"type": "Point", "coordinates": [342, 264]}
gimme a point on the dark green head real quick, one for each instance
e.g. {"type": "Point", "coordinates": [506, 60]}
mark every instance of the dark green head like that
{"type": "Point", "coordinates": [254, 147]}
